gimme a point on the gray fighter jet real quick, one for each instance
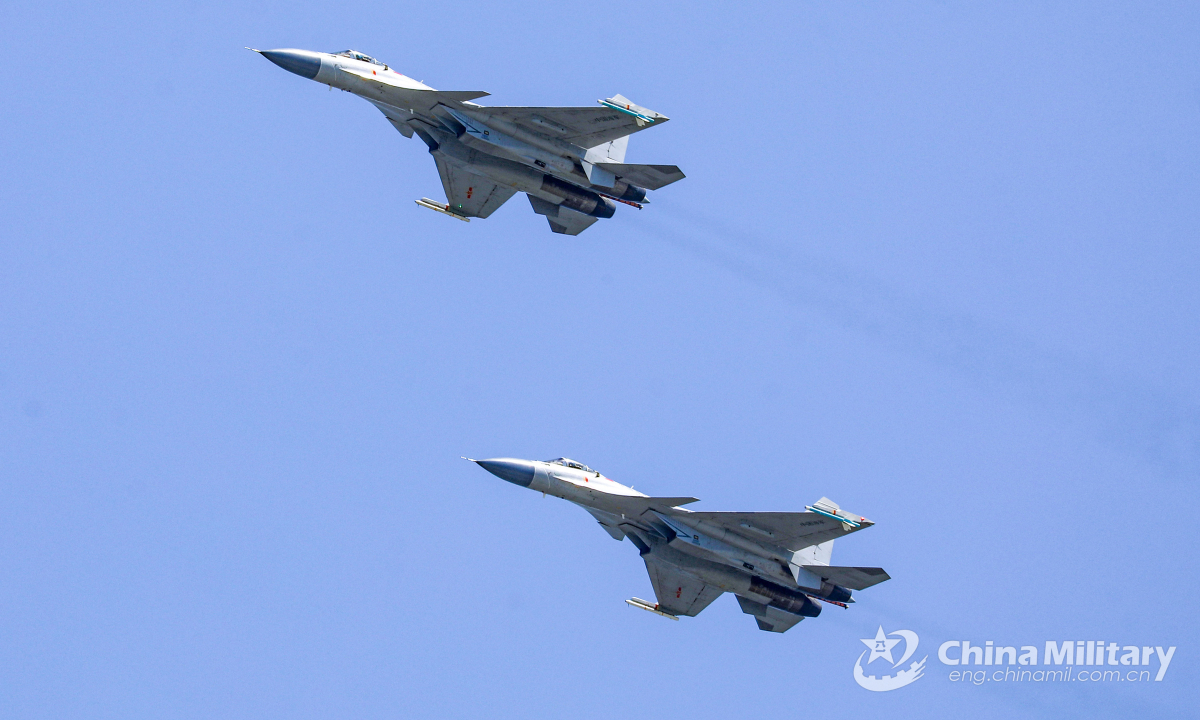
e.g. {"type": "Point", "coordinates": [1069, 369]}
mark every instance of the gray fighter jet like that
{"type": "Point", "coordinates": [570, 161]}
{"type": "Point", "coordinates": [776, 563]}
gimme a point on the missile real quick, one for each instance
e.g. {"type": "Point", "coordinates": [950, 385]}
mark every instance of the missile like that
{"type": "Point", "coordinates": [832, 516]}
{"type": "Point", "coordinates": [628, 110]}
{"type": "Point", "coordinates": [438, 207]}
{"type": "Point", "coordinates": [648, 607]}
{"type": "Point", "coordinates": [831, 602]}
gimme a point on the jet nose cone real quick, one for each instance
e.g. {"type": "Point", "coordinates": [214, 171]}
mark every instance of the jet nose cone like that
{"type": "Point", "coordinates": [517, 472]}
{"type": "Point", "coordinates": [302, 62]}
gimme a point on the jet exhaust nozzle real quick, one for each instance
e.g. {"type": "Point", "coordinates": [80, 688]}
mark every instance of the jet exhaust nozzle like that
{"type": "Point", "coordinates": [578, 199]}
{"type": "Point", "coordinates": [301, 62]}
{"type": "Point", "coordinates": [784, 599]}
{"type": "Point", "coordinates": [605, 208]}
{"type": "Point", "coordinates": [835, 593]}
{"type": "Point", "coordinates": [632, 193]}
{"type": "Point", "coordinates": [517, 472]}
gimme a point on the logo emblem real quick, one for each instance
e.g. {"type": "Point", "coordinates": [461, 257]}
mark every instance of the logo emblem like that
{"type": "Point", "coordinates": [881, 646]}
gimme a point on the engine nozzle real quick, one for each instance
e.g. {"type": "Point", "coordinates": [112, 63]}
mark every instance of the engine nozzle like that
{"type": "Point", "coordinates": [785, 599]}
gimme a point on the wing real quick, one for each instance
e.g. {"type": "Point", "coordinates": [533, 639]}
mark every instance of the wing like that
{"type": "Point", "coordinates": [587, 127]}
{"type": "Point", "coordinates": [792, 530]}
{"type": "Point", "coordinates": [469, 194]}
{"type": "Point", "coordinates": [855, 578]}
{"type": "Point", "coordinates": [678, 592]}
{"type": "Point", "coordinates": [563, 221]}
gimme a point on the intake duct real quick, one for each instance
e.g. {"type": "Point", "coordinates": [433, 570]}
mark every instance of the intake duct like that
{"type": "Point", "coordinates": [578, 199]}
{"type": "Point", "coordinates": [785, 599]}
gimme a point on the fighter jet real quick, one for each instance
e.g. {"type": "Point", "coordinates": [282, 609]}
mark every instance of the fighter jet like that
{"type": "Point", "coordinates": [776, 563]}
{"type": "Point", "coordinates": [570, 161]}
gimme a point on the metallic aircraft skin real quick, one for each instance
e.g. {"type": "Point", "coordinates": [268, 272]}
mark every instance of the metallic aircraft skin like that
{"type": "Point", "coordinates": [776, 563]}
{"type": "Point", "coordinates": [570, 161]}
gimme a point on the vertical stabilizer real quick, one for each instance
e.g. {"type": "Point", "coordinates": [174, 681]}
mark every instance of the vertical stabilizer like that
{"type": "Point", "coordinates": [612, 151]}
{"type": "Point", "coordinates": [819, 554]}
{"type": "Point", "coordinates": [604, 153]}
{"type": "Point", "coordinates": [814, 555]}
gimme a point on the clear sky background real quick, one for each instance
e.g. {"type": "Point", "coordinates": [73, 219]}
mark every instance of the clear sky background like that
{"type": "Point", "coordinates": [937, 262]}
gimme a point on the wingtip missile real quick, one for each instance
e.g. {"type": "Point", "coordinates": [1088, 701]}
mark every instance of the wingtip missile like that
{"type": "Point", "coordinates": [439, 207]}
{"type": "Point", "coordinates": [648, 607]}
{"type": "Point", "coordinates": [837, 516]}
{"type": "Point", "coordinates": [643, 116]}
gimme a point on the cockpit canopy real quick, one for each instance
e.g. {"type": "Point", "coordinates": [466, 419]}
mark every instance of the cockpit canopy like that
{"type": "Point", "coordinates": [568, 462]}
{"type": "Point", "coordinates": [356, 55]}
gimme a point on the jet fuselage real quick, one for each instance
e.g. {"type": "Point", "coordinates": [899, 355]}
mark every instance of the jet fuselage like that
{"type": "Point", "coordinates": [770, 571]}
{"type": "Point", "coordinates": [460, 133]}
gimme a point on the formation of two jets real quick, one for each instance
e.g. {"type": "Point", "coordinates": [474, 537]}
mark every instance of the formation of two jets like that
{"type": "Point", "coordinates": [570, 162]}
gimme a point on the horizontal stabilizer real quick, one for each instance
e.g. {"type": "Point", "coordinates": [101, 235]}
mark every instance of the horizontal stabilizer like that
{"type": "Point", "coordinates": [854, 578]}
{"type": "Point", "coordinates": [563, 220]}
{"type": "Point", "coordinates": [770, 619]}
{"type": "Point", "coordinates": [651, 177]}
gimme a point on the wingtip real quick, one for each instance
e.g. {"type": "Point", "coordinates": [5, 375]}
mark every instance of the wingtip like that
{"type": "Point", "coordinates": [254, 50]}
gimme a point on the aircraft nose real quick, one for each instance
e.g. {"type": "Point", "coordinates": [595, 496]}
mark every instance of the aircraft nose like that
{"type": "Point", "coordinates": [517, 472]}
{"type": "Point", "coordinates": [302, 62]}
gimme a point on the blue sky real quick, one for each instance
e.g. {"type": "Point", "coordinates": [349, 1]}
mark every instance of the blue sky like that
{"type": "Point", "coordinates": [937, 262]}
